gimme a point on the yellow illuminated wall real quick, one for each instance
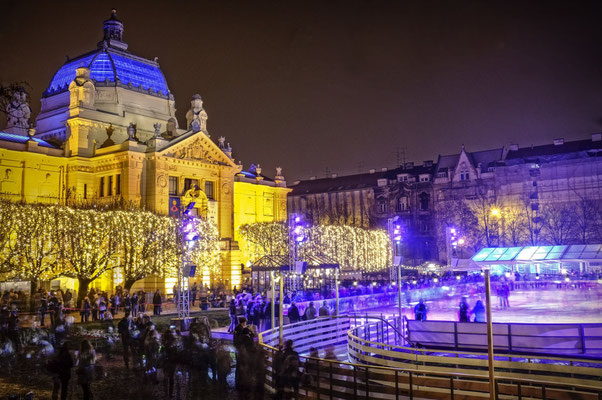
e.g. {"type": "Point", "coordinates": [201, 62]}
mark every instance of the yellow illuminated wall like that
{"type": "Point", "coordinates": [257, 201]}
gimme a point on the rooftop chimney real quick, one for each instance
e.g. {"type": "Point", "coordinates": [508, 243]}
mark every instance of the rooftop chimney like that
{"type": "Point", "coordinates": [596, 137]}
{"type": "Point", "coordinates": [372, 171]}
{"type": "Point", "coordinates": [513, 147]}
{"type": "Point", "coordinates": [384, 169]}
{"type": "Point", "coordinates": [428, 163]}
{"type": "Point", "coordinates": [408, 165]}
{"type": "Point", "coordinates": [312, 178]}
{"type": "Point", "coordinates": [333, 176]}
{"type": "Point", "coordinates": [558, 142]}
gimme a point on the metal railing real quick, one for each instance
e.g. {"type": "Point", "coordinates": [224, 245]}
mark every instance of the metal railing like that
{"type": "Point", "coordinates": [334, 379]}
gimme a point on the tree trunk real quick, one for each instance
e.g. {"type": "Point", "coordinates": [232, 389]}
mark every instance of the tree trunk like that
{"type": "Point", "coordinates": [129, 283]}
{"type": "Point", "coordinates": [33, 287]}
{"type": "Point", "coordinates": [82, 290]}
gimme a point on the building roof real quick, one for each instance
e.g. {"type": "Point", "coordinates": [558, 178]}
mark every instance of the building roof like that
{"type": "Point", "coordinates": [340, 183]}
{"type": "Point", "coordinates": [538, 254]}
{"type": "Point", "coordinates": [357, 181]}
{"type": "Point", "coordinates": [112, 66]}
{"type": "Point", "coordinates": [554, 149]}
{"type": "Point", "coordinates": [10, 137]}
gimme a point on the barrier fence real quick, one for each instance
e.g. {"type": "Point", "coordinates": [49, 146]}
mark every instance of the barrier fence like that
{"type": "Point", "coordinates": [551, 339]}
{"type": "Point", "coordinates": [387, 371]}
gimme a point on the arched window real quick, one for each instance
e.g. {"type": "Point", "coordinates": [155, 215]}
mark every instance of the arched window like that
{"type": "Point", "coordinates": [402, 203]}
{"type": "Point", "coordinates": [424, 201]}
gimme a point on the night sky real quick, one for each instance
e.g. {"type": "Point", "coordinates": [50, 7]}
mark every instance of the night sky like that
{"type": "Point", "coordinates": [343, 86]}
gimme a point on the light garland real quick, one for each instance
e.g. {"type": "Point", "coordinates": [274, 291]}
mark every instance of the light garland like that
{"type": "Point", "coordinates": [40, 242]}
{"type": "Point", "coordinates": [349, 246]}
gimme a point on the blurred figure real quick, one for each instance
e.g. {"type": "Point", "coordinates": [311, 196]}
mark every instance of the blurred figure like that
{"type": "Point", "coordinates": [224, 365]}
{"type": "Point", "coordinates": [293, 313]}
{"type": "Point", "coordinates": [463, 311]}
{"type": "Point", "coordinates": [479, 312]}
{"type": "Point", "coordinates": [420, 311]}
{"type": "Point", "coordinates": [86, 360]}
{"type": "Point", "coordinates": [310, 312]}
{"type": "Point", "coordinates": [157, 302]}
{"type": "Point", "coordinates": [324, 311]}
{"type": "Point", "coordinates": [60, 368]}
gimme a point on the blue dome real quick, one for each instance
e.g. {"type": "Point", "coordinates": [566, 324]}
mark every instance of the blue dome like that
{"type": "Point", "coordinates": [116, 67]}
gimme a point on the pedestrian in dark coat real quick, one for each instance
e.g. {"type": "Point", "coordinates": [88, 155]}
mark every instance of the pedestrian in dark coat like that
{"type": "Point", "coordinates": [293, 313]}
{"type": "Point", "coordinates": [85, 310]}
{"type": "Point", "coordinates": [463, 311]}
{"type": "Point", "coordinates": [86, 360]}
{"type": "Point", "coordinates": [157, 302]}
{"type": "Point", "coordinates": [60, 367]}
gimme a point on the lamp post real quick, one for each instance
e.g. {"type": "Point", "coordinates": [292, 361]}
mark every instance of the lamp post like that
{"type": "Point", "coordinates": [280, 313]}
{"type": "Point", "coordinates": [489, 334]}
{"type": "Point", "coordinates": [272, 313]}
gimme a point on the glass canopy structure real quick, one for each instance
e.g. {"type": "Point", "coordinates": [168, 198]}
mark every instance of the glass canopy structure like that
{"type": "Point", "coordinates": [581, 254]}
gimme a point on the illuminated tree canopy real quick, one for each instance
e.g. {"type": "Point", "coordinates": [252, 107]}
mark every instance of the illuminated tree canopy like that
{"type": "Point", "coordinates": [349, 246]}
{"type": "Point", "coordinates": [41, 242]}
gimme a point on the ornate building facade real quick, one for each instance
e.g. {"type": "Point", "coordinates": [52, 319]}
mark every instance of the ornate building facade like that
{"type": "Point", "coordinates": [507, 196]}
{"type": "Point", "coordinates": [107, 132]}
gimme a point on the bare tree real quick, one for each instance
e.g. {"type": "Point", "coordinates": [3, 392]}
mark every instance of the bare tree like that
{"type": "Point", "coordinates": [515, 225]}
{"type": "Point", "coordinates": [558, 220]}
{"type": "Point", "coordinates": [584, 213]}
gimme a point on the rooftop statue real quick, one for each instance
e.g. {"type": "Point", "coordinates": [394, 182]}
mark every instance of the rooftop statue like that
{"type": "Point", "coordinates": [18, 113]}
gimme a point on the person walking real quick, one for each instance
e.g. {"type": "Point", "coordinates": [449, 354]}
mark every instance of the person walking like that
{"type": "Point", "coordinates": [170, 361]}
{"type": "Point", "coordinates": [86, 361]}
{"type": "Point", "coordinates": [85, 310]}
{"type": "Point", "coordinates": [420, 311]}
{"type": "Point", "coordinates": [463, 310]}
{"type": "Point", "coordinates": [233, 319]}
{"type": "Point", "coordinates": [479, 312]}
{"type": "Point", "coordinates": [293, 313]}
{"type": "Point", "coordinates": [193, 292]}
{"type": "Point", "coordinates": [157, 302]}
{"type": "Point", "coordinates": [43, 309]}
{"type": "Point", "coordinates": [310, 312]}
{"type": "Point", "coordinates": [124, 328]}
{"type": "Point", "coordinates": [324, 311]}
{"type": "Point", "coordinates": [60, 366]}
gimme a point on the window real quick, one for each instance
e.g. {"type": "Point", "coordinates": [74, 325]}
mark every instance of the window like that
{"type": "Point", "coordinates": [402, 204]}
{"type": "Point", "coordinates": [209, 190]}
{"type": "Point", "coordinates": [85, 190]}
{"type": "Point", "coordinates": [424, 201]}
{"type": "Point", "coordinates": [402, 178]}
{"type": "Point", "coordinates": [442, 174]}
{"type": "Point", "coordinates": [173, 186]}
{"type": "Point", "coordinates": [118, 184]}
{"type": "Point", "coordinates": [110, 186]}
{"type": "Point", "coordinates": [424, 178]}
{"type": "Point", "coordinates": [189, 183]}
{"type": "Point", "coordinates": [381, 182]}
{"type": "Point", "coordinates": [382, 206]}
{"type": "Point", "coordinates": [464, 176]}
{"type": "Point", "coordinates": [101, 188]}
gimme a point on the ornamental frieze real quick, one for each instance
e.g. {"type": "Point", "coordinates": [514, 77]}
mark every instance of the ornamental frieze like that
{"type": "Point", "coordinates": [194, 151]}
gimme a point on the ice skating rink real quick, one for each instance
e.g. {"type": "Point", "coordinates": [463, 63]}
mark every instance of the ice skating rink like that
{"type": "Point", "coordinates": [566, 305]}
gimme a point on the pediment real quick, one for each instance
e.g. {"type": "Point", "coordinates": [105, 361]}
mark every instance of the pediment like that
{"type": "Point", "coordinates": [196, 146]}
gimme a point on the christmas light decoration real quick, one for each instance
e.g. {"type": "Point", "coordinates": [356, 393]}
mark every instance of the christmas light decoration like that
{"type": "Point", "coordinates": [350, 247]}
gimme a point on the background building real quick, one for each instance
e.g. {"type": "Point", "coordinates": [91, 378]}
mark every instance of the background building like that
{"type": "Point", "coordinates": [107, 134]}
{"type": "Point", "coordinates": [511, 196]}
